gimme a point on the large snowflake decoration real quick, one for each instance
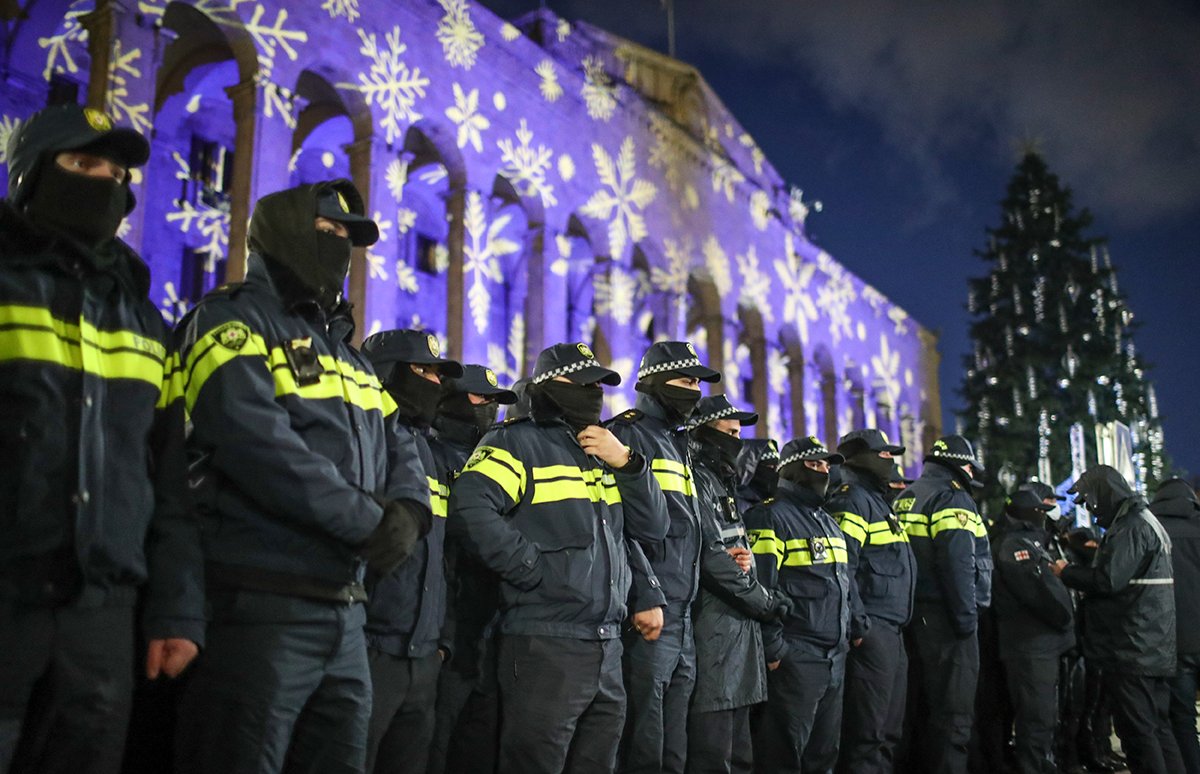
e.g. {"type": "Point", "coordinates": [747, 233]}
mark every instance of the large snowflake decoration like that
{"type": "Point", "coordinates": [673, 277]}
{"type": "Point", "coordinates": [122, 68]}
{"type": "Point", "coordinates": [616, 294]}
{"type": "Point", "coordinates": [173, 307]}
{"type": "Point", "coordinates": [482, 256]}
{"type": "Point", "coordinates": [756, 284]}
{"type": "Point", "coordinates": [760, 209]}
{"type": "Point", "coordinates": [376, 266]}
{"type": "Point", "coordinates": [457, 34]}
{"type": "Point", "coordinates": [466, 116]}
{"type": "Point", "coordinates": [396, 177]}
{"type": "Point", "coordinates": [69, 35]}
{"type": "Point", "coordinates": [668, 156]}
{"type": "Point", "coordinates": [8, 125]}
{"type": "Point", "coordinates": [389, 83]}
{"type": "Point", "coordinates": [725, 176]}
{"type": "Point", "coordinates": [622, 200]}
{"type": "Point", "coordinates": [548, 84]}
{"type": "Point", "coordinates": [526, 166]}
{"type": "Point", "coordinates": [277, 100]}
{"type": "Point", "coordinates": [207, 226]}
{"type": "Point", "coordinates": [406, 278]}
{"type": "Point", "coordinates": [599, 92]}
{"type": "Point", "coordinates": [336, 8]}
{"type": "Point", "coordinates": [834, 299]}
{"type": "Point", "coordinates": [796, 276]}
{"type": "Point", "coordinates": [269, 37]}
{"type": "Point", "coordinates": [887, 372]}
{"type": "Point", "coordinates": [716, 263]}
{"type": "Point", "coordinates": [509, 32]}
{"type": "Point", "coordinates": [899, 319]}
{"type": "Point", "coordinates": [757, 157]}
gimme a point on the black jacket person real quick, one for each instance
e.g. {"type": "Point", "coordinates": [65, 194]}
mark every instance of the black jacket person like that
{"type": "Point", "coordinates": [547, 502]}
{"type": "Point", "coordinates": [306, 478]}
{"type": "Point", "coordinates": [1129, 623]}
{"type": "Point", "coordinates": [661, 673]}
{"type": "Point", "coordinates": [91, 447]}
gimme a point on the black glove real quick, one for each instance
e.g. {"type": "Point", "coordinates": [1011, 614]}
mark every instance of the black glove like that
{"type": "Point", "coordinates": [782, 607]}
{"type": "Point", "coordinates": [402, 525]}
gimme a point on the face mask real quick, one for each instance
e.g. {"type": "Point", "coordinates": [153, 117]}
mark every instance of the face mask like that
{"type": "Point", "coordinates": [679, 402]}
{"type": "Point", "coordinates": [871, 462]}
{"type": "Point", "coordinates": [88, 208]}
{"type": "Point", "coordinates": [801, 475]}
{"type": "Point", "coordinates": [765, 479]}
{"type": "Point", "coordinates": [726, 446]}
{"type": "Point", "coordinates": [416, 397]}
{"type": "Point", "coordinates": [332, 266]}
{"type": "Point", "coordinates": [458, 406]}
{"type": "Point", "coordinates": [1054, 514]}
{"type": "Point", "coordinates": [578, 405]}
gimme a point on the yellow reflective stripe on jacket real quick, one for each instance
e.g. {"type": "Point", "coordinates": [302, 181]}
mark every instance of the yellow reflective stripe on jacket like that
{"type": "Point", "coordinates": [880, 533]}
{"type": "Point", "coordinates": [672, 476]}
{"type": "Point", "coordinates": [501, 467]}
{"type": "Point", "coordinates": [33, 333]}
{"type": "Point", "coordinates": [555, 483]}
{"type": "Point", "coordinates": [798, 553]}
{"type": "Point", "coordinates": [208, 354]}
{"type": "Point", "coordinates": [853, 525]}
{"type": "Point", "coordinates": [172, 382]}
{"type": "Point", "coordinates": [956, 518]}
{"type": "Point", "coordinates": [915, 524]}
{"type": "Point", "coordinates": [763, 541]}
{"type": "Point", "coordinates": [439, 496]}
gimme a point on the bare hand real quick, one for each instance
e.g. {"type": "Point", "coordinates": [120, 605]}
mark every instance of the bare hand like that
{"type": "Point", "coordinates": [857, 642]}
{"type": "Point", "coordinates": [1057, 567]}
{"type": "Point", "coordinates": [773, 665]}
{"type": "Point", "coordinates": [649, 623]}
{"type": "Point", "coordinates": [742, 556]}
{"type": "Point", "coordinates": [600, 442]}
{"type": "Point", "coordinates": [169, 656]}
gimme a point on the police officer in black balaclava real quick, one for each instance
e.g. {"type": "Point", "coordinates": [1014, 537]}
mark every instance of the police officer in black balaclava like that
{"type": "Point", "coordinates": [757, 471]}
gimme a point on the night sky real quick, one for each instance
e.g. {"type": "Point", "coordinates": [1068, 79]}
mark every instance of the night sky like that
{"type": "Point", "coordinates": [906, 121]}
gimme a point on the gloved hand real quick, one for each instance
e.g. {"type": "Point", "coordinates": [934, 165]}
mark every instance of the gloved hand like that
{"type": "Point", "coordinates": [782, 608]}
{"type": "Point", "coordinates": [402, 525]}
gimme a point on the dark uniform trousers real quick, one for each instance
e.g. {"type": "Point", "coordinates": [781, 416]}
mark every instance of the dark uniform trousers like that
{"type": "Point", "coordinates": [719, 742]}
{"type": "Point", "coordinates": [1183, 710]}
{"type": "Point", "coordinates": [1139, 706]}
{"type": "Point", "coordinates": [562, 704]}
{"type": "Point", "coordinates": [402, 712]}
{"type": "Point", "coordinates": [66, 677]}
{"type": "Point", "coordinates": [1033, 691]}
{"type": "Point", "coordinates": [282, 686]}
{"type": "Point", "coordinates": [473, 742]}
{"type": "Point", "coordinates": [873, 714]}
{"type": "Point", "coordinates": [803, 721]}
{"type": "Point", "coordinates": [947, 667]}
{"type": "Point", "coordinates": [659, 678]}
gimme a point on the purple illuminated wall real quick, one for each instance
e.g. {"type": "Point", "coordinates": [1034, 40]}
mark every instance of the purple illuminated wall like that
{"type": "Point", "coordinates": [606, 194]}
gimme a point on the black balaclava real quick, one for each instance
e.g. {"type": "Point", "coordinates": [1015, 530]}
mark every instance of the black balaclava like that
{"type": "Point", "coordinates": [802, 475]}
{"type": "Point", "coordinates": [416, 397]}
{"type": "Point", "coordinates": [1104, 489]}
{"type": "Point", "coordinates": [725, 446]}
{"type": "Point", "coordinates": [1034, 516]}
{"type": "Point", "coordinates": [765, 479]}
{"type": "Point", "coordinates": [282, 230]}
{"type": "Point", "coordinates": [458, 406]}
{"type": "Point", "coordinates": [579, 405]}
{"type": "Point", "coordinates": [88, 208]}
{"type": "Point", "coordinates": [879, 468]}
{"type": "Point", "coordinates": [678, 402]}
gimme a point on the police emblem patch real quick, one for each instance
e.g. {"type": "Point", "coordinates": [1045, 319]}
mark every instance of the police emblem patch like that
{"type": "Point", "coordinates": [586, 351]}
{"type": "Point", "coordinates": [692, 349]}
{"type": "Point", "coordinates": [232, 335]}
{"type": "Point", "coordinates": [1021, 556]}
{"type": "Point", "coordinates": [97, 120]}
{"type": "Point", "coordinates": [817, 547]}
{"type": "Point", "coordinates": [435, 348]}
{"type": "Point", "coordinates": [490, 375]}
{"type": "Point", "coordinates": [962, 518]}
{"type": "Point", "coordinates": [479, 456]}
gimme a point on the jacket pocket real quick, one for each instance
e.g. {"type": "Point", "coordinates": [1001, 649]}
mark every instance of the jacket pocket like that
{"type": "Point", "coordinates": [885, 572]}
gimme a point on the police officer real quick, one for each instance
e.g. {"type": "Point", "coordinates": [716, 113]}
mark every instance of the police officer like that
{"type": "Point", "coordinates": [1034, 620]}
{"type": "Point", "coordinates": [88, 396]}
{"type": "Point", "coordinates": [306, 479]}
{"type": "Point", "coordinates": [881, 561]}
{"type": "Point", "coordinates": [954, 578]}
{"type": "Point", "coordinates": [407, 608]}
{"type": "Point", "coordinates": [660, 673]}
{"type": "Point", "coordinates": [1177, 509]}
{"type": "Point", "coordinates": [546, 502]}
{"type": "Point", "coordinates": [1130, 626]}
{"type": "Point", "coordinates": [731, 674]}
{"type": "Point", "coordinates": [468, 409]}
{"type": "Point", "coordinates": [799, 551]}
{"type": "Point", "coordinates": [758, 471]}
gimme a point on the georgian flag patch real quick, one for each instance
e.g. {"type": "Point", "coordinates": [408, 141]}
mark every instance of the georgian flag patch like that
{"type": "Point", "coordinates": [1021, 556]}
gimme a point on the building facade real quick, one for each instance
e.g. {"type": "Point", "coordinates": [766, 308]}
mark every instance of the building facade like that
{"type": "Point", "coordinates": [534, 181]}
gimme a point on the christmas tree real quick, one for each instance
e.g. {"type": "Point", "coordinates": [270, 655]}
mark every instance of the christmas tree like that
{"type": "Point", "coordinates": [1053, 343]}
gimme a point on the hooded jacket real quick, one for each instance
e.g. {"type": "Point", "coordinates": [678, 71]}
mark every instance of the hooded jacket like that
{"type": "Point", "coordinates": [1129, 610]}
{"type": "Point", "coordinates": [1034, 611]}
{"type": "Point", "coordinates": [950, 544]}
{"type": "Point", "coordinates": [91, 434]}
{"type": "Point", "coordinates": [730, 661]}
{"type": "Point", "coordinates": [1176, 507]}
{"type": "Point", "coordinates": [295, 439]}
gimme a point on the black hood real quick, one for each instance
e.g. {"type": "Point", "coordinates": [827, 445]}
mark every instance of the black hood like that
{"type": "Point", "coordinates": [1175, 497]}
{"type": "Point", "coordinates": [753, 450]}
{"type": "Point", "coordinates": [1104, 489]}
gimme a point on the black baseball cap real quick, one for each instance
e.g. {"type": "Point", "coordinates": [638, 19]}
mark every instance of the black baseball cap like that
{"type": "Point", "coordinates": [869, 439]}
{"type": "Point", "coordinates": [1043, 490]}
{"type": "Point", "coordinates": [480, 380]}
{"type": "Point", "coordinates": [340, 201]}
{"type": "Point", "coordinates": [576, 362]}
{"type": "Point", "coordinates": [1025, 500]}
{"type": "Point", "coordinates": [408, 346]}
{"type": "Point", "coordinates": [676, 357]}
{"type": "Point", "coordinates": [715, 407]}
{"type": "Point", "coordinates": [804, 449]}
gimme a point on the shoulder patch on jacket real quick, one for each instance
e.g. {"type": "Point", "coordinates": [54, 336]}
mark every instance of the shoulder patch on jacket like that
{"type": "Point", "coordinates": [1021, 556]}
{"type": "Point", "coordinates": [232, 335]}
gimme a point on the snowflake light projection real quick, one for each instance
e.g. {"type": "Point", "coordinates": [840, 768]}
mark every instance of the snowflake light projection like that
{"type": "Point", "coordinates": [457, 34]}
{"type": "Point", "coordinates": [336, 8]}
{"type": "Point", "coordinates": [465, 115]}
{"type": "Point", "coordinates": [207, 227]}
{"type": "Point", "coordinates": [481, 257]}
{"type": "Point", "coordinates": [760, 209]}
{"type": "Point", "coordinates": [796, 276]}
{"type": "Point", "coordinates": [526, 166]}
{"type": "Point", "coordinates": [716, 263]}
{"type": "Point", "coordinates": [389, 83]}
{"type": "Point", "coordinates": [616, 294]}
{"type": "Point", "coordinates": [623, 197]}
{"type": "Point", "coordinates": [886, 366]}
{"type": "Point", "coordinates": [598, 91]}
{"type": "Point", "coordinates": [548, 84]}
{"type": "Point", "coordinates": [834, 299]}
{"type": "Point", "coordinates": [69, 35]}
{"type": "Point", "coordinates": [756, 284]}
{"type": "Point", "coordinates": [396, 178]}
{"type": "Point", "coordinates": [504, 360]}
{"type": "Point", "coordinates": [123, 68]}
{"type": "Point", "coordinates": [173, 307]}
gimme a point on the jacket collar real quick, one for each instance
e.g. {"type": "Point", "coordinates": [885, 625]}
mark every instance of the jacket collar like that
{"type": "Point", "coordinates": [339, 322]}
{"type": "Point", "coordinates": [800, 494]}
{"type": "Point", "coordinates": [652, 409]}
{"type": "Point", "coordinates": [939, 471]}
